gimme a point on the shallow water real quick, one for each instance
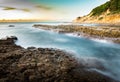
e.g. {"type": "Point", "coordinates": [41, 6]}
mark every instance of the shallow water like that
{"type": "Point", "coordinates": [92, 52]}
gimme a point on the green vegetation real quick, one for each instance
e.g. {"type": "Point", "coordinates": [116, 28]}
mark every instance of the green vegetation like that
{"type": "Point", "coordinates": [115, 5]}
{"type": "Point", "coordinates": [100, 9]}
{"type": "Point", "coordinates": [112, 5]}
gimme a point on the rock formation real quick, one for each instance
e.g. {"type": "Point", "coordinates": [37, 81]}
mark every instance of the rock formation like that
{"type": "Point", "coordinates": [18, 64]}
{"type": "Point", "coordinates": [106, 13]}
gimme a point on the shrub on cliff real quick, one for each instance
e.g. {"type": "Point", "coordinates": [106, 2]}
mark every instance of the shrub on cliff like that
{"type": "Point", "coordinates": [112, 5]}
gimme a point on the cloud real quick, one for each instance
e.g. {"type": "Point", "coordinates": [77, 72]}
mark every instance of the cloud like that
{"type": "Point", "coordinates": [9, 8]}
{"type": "Point", "coordinates": [43, 7]}
{"type": "Point", "coordinates": [17, 3]}
{"type": "Point", "coordinates": [26, 10]}
{"type": "Point", "coordinates": [13, 8]}
{"type": "Point", "coordinates": [25, 5]}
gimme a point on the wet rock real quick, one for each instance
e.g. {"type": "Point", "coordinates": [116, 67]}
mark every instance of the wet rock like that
{"type": "Point", "coordinates": [99, 32]}
{"type": "Point", "coordinates": [42, 65]}
{"type": "Point", "coordinates": [11, 26]}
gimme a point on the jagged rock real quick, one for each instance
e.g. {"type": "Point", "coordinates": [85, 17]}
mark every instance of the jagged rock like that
{"type": "Point", "coordinates": [42, 65]}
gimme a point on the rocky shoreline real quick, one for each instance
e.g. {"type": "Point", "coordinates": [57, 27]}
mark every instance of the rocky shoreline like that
{"type": "Point", "coordinates": [18, 64]}
{"type": "Point", "coordinates": [109, 33]}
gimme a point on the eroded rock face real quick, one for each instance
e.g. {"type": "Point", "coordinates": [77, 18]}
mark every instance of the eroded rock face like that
{"type": "Point", "coordinates": [42, 65]}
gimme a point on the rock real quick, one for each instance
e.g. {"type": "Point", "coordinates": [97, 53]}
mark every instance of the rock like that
{"type": "Point", "coordinates": [99, 32]}
{"type": "Point", "coordinates": [14, 38]}
{"type": "Point", "coordinates": [11, 26]}
{"type": "Point", "coordinates": [42, 65]}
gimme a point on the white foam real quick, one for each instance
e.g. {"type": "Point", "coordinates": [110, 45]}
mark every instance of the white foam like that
{"type": "Point", "coordinates": [61, 40]}
{"type": "Point", "coordinates": [91, 61]}
{"type": "Point", "coordinates": [72, 34]}
{"type": "Point", "coordinates": [106, 73]}
{"type": "Point", "coordinates": [101, 40]}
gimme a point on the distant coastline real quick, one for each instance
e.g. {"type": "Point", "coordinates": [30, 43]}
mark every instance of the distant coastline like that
{"type": "Point", "coordinates": [19, 20]}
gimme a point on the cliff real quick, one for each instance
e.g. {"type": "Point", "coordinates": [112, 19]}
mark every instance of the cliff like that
{"type": "Point", "coordinates": [105, 13]}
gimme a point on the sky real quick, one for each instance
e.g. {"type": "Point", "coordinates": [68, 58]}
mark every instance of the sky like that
{"type": "Point", "coordinates": [56, 10]}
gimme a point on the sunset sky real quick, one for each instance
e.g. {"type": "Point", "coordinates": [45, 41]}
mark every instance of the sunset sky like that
{"type": "Point", "coordinates": [58, 10]}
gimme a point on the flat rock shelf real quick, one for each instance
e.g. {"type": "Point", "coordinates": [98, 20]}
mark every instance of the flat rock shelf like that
{"type": "Point", "coordinates": [18, 64]}
{"type": "Point", "coordinates": [105, 32]}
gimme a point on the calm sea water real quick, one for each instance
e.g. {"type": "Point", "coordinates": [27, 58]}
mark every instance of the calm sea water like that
{"type": "Point", "coordinates": [91, 52]}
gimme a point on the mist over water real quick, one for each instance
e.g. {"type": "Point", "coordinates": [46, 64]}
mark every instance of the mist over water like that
{"type": "Point", "coordinates": [92, 53]}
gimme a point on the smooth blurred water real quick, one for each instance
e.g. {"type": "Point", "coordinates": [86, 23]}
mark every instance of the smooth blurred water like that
{"type": "Point", "coordinates": [90, 51]}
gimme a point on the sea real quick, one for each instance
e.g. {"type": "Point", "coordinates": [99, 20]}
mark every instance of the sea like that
{"type": "Point", "coordinates": [98, 55]}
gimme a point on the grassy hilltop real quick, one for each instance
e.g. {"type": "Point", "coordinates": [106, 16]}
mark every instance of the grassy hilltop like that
{"type": "Point", "coordinates": [108, 12]}
{"type": "Point", "coordinates": [113, 6]}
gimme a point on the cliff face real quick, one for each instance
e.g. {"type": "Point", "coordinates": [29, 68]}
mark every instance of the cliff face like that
{"type": "Point", "coordinates": [106, 13]}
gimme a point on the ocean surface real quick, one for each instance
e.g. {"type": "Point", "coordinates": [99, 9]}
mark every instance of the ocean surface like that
{"type": "Point", "coordinates": [98, 55]}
